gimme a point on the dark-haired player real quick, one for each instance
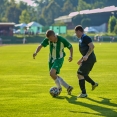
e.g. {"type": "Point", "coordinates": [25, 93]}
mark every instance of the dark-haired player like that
{"type": "Point", "coordinates": [86, 62]}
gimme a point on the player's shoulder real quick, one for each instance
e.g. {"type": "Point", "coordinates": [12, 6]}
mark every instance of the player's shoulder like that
{"type": "Point", "coordinates": [86, 37]}
{"type": "Point", "coordinates": [60, 38]}
{"type": "Point", "coordinates": [46, 38]}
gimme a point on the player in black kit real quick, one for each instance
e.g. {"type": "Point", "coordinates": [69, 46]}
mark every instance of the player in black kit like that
{"type": "Point", "coordinates": [87, 60]}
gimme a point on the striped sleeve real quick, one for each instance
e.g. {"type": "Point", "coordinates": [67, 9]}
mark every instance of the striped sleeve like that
{"type": "Point", "coordinates": [66, 43]}
{"type": "Point", "coordinates": [45, 42]}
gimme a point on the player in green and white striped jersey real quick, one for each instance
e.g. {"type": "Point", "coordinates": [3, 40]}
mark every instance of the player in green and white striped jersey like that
{"type": "Point", "coordinates": [56, 57]}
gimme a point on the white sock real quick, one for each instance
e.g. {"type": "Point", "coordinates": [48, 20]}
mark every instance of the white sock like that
{"type": "Point", "coordinates": [63, 82]}
{"type": "Point", "coordinates": [57, 83]}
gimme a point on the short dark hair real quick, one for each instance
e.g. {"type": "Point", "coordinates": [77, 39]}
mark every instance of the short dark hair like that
{"type": "Point", "coordinates": [49, 33]}
{"type": "Point", "coordinates": [79, 27]}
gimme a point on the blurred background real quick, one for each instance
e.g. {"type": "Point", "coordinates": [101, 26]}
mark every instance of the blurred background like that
{"type": "Point", "coordinates": [26, 21]}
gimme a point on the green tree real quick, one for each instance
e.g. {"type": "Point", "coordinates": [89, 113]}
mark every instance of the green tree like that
{"type": "Point", "coordinates": [115, 29]}
{"type": "Point", "coordinates": [3, 5]}
{"type": "Point", "coordinates": [39, 8]}
{"type": "Point", "coordinates": [68, 7]}
{"type": "Point", "coordinates": [83, 5]}
{"type": "Point", "coordinates": [111, 24]}
{"type": "Point", "coordinates": [51, 12]}
{"type": "Point", "coordinates": [42, 21]}
{"type": "Point", "coordinates": [77, 20]}
{"type": "Point", "coordinates": [12, 2]}
{"type": "Point", "coordinates": [60, 2]}
{"type": "Point", "coordinates": [22, 5]}
{"type": "Point", "coordinates": [86, 22]}
{"type": "Point", "coordinates": [33, 13]}
{"type": "Point", "coordinates": [24, 17]}
{"type": "Point", "coordinates": [13, 13]}
{"type": "Point", "coordinates": [98, 4]}
{"type": "Point", "coordinates": [110, 2]}
{"type": "Point", "coordinates": [74, 3]}
{"type": "Point", "coordinates": [3, 19]}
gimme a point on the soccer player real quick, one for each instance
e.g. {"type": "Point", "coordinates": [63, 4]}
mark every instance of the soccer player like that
{"type": "Point", "coordinates": [86, 62]}
{"type": "Point", "coordinates": [56, 57]}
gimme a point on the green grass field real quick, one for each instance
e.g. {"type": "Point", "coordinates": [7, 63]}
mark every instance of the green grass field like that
{"type": "Point", "coordinates": [25, 84]}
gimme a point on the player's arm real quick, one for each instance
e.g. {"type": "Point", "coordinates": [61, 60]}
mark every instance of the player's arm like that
{"type": "Point", "coordinates": [69, 46]}
{"type": "Point", "coordinates": [37, 50]}
{"type": "Point", "coordinates": [71, 54]}
{"type": "Point", "coordinates": [80, 61]}
{"type": "Point", "coordinates": [91, 48]}
{"type": "Point", "coordinates": [44, 43]}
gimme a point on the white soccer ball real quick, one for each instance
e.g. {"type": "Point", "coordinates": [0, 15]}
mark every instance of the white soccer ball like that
{"type": "Point", "coordinates": [54, 91]}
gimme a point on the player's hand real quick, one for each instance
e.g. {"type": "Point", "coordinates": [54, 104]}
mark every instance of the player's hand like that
{"type": "Point", "coordinates": [34, 55]}
{"type": "Point", "coordinates": [80, 62]}
{"type": "Point", "coordinates": [85, 58]}
{"type": "Point", "coordinates": [70, 59]}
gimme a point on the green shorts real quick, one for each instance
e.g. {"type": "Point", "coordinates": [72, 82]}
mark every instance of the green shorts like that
{"type": "Point", "coordinates": [57, 64]}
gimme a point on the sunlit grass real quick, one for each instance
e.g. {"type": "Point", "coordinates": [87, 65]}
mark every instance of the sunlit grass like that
{"type": "Point", "coordinates": [25, 84]}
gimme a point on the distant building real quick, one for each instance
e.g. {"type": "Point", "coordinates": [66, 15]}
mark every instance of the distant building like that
{"type": "Point", "coordinates": [6, 28]}
{"type": "Point", "coordinates": [65, 19]}
{"type": "Point", "coordinates": [98, 16]}
{"type": "Point", "coordinates": [59, 29]}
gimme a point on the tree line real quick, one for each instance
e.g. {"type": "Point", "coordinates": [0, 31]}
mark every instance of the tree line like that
{"type": "Point", "coordinates": [46, 11]}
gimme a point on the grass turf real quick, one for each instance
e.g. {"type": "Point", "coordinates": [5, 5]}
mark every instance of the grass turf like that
{"type": "Point", "coordinates": [25, 84]}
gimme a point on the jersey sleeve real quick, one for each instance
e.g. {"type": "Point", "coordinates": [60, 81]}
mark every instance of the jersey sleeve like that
{"type": "Point", "coordinates": [87, 40]}
{"type": "Point", "coordinates": [66, 43]}
{"type": "Point", "coordinates": [45, 42]}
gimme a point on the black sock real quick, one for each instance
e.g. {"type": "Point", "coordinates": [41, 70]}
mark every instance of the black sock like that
{"type": "Point", "coordinates": [88, 79]}
{"type": "Point", "coordinates": [82, 85]}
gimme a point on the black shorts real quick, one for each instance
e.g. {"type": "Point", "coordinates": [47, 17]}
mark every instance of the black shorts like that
{"type": "Point", "coordinates": [85, 68]}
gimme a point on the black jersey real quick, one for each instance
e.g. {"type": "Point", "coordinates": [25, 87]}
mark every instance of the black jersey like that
{"type": "Point", "coordinates": [83, 47]}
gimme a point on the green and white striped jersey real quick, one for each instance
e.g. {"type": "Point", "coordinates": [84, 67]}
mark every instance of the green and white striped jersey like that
{"type": "Point", "coordinates": [56, 49]}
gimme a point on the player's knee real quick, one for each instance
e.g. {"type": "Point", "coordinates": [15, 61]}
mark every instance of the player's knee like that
{"type": "Point", "coordinates": [52, 73]}
{"type": "Point", "coordinates": [80, 77]}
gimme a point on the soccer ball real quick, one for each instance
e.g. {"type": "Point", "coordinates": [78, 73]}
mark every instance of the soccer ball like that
{"type": "Point", "coordinates": [54, 91]}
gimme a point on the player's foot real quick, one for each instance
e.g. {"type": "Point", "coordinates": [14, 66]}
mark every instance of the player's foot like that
{"type": "Point", "coordinates": [69, 90]}
{"type": "Point", "coordinates": [82, 95]}
{"type": "Point", "coordinates": [60, 89]}
{"type": "Point", "coordinates": [94, 86]}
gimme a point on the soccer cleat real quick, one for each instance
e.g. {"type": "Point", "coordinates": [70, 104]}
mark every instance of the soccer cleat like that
{"type": "Point", "coordinates": [82, 95]}
{"type": "Point", "coordinates": [60, 89]}
{"type": "Point", "coordinates": [69, 90]}
{"type": "Point", "coordinates": [94, 86]}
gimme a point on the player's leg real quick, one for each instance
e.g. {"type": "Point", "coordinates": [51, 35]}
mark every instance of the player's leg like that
{"type": "Point", "coordinates": [53, 74]}
{"type": "Point", "coordinates": [94, 84]}
{"type": "Point", "coordinates": [62, 82]}
{"type": "Point", "coordinates": [82, 71]}
{"type": "Point", "coordinates": [55, 78]}
{"type": "Point", "coordinates": [82, 86]}
{"type": "Point", "coordinates": [57, 65]}
{"type": "Point", "coordinates": [67, 86]}
{"type": "Point", "coordinates": [89, 79]}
